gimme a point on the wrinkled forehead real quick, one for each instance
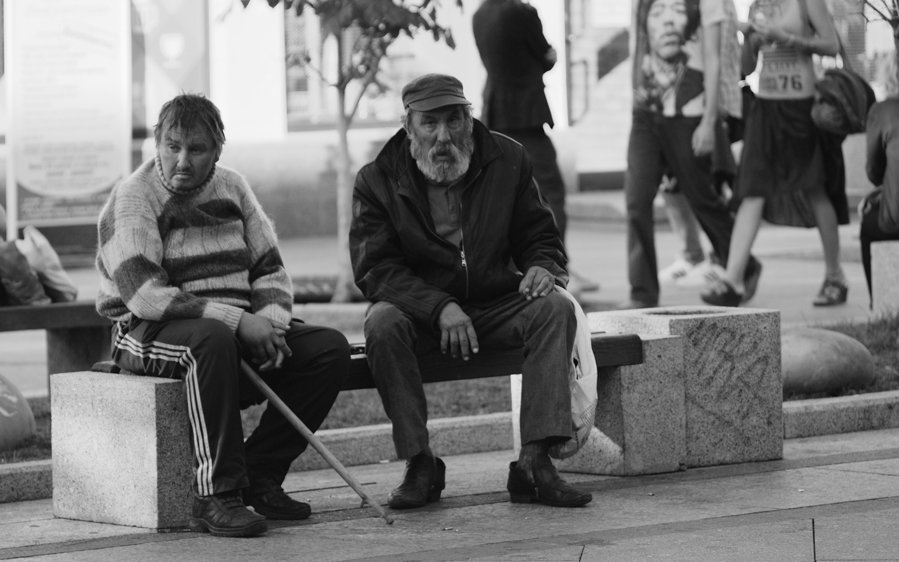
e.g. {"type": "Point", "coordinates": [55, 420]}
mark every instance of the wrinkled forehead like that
{"type": "Point", "coordinates": [680, 4]}
{"type": "Point", "coordinates": [445, 112]}
{"type": "Point", "coordinates": [194, 136]}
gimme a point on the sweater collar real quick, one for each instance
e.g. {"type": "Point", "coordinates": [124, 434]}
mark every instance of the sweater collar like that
{"type": "Point", "coordinates": [174, 191]}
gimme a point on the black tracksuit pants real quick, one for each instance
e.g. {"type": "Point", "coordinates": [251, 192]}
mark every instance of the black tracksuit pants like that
{"type": "Point", "coordinates": [206, 354]}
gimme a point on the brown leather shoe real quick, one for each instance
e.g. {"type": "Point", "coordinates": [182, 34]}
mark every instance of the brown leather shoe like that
{"type": "Point", "coordinates": [269, 499]}
{"type": "Point", "coordinates": [224, 515]}
{"type": "Point", "coordinates": [423, 481]}
{"type": "Point", "coordinates": [545, 486]}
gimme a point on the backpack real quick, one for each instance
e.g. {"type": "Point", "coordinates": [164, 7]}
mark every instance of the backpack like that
{"type": "Point", "coordinates": [842, 101]}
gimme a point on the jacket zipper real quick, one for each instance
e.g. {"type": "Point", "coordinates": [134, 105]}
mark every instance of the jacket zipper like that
{"type": "Point", "coordinates": [464, 266]}
{"type": "Point", "coordinates": [462, 244]}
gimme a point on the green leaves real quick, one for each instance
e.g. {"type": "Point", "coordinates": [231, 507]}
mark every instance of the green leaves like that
{"type": "Point", "coordinates": [364, 29]}
{"type": "Point", "coordinates": [384, 18]}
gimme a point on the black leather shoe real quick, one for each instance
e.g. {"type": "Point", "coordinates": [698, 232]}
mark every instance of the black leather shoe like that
{"type": "Point", "coordinates": [423, 480]}
{"type": "Point", "coordinates": [224, 515]}
{"type": "Point", "coordinates": [269, 499]}
{"type": "Point", "coordinates": [547, 487]}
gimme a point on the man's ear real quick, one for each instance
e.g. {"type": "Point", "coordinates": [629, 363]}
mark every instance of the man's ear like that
{"type": "Point", "coordinates": [404, 120]}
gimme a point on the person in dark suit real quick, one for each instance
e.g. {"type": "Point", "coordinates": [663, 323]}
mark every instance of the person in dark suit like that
{"type": "Point", "coordinates": [516, 54]}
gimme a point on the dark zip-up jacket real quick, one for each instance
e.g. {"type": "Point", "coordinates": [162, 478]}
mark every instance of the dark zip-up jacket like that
{"type": "Point", "coordinates": [507, 227]}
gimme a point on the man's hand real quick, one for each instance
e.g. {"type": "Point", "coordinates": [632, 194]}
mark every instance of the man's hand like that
{"type": "Point", "coordinates": [551, 56]}
{"type": "Point", "coordinates": [264, 340]}
{"type": "Point", "coordinates": [537, 283]}
{"type": "Point", "coordinates": [769, 33]}
{"type": "Point", "coordinates": [704, 138]}
{"type": "Point", "coordinates": [457, 333]}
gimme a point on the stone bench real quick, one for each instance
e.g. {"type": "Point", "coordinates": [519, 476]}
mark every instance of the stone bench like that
{"type": "Point", "coordinates": [121, 449]}
{"type": "Point", "coordinates": [884, 272]}
{"type": "Point", "coordinates": [77, 336]}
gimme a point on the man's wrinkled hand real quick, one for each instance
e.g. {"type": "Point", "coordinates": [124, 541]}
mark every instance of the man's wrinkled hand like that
{"type": "Point", "coordinates": [537, 282]}
{"type": "Point", "coordinates": [457, 333]}
{"type": "Point", "coordinates": [264, 340]}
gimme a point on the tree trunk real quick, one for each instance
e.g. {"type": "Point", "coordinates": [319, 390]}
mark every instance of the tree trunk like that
{"type": "Point", "coordinates": [344, 288]}
{"type": "Point", "coordinates": [895, 25]}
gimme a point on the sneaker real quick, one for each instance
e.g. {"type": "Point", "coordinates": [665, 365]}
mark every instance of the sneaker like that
{"type": "Point", "coordinates": [700, 275]}
{"type": "Point", "coordinates": [224, 515]}
{"type": "Point", "coordinates": [270, 500]}
{"type": "Point", "coordinates": [722, 293]}
{"type": "Point", "coordinates": [677, 270]}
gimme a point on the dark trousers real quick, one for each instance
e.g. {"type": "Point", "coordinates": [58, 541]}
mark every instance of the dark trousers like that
{"type": "Point", "coordinates": [206, 355]}
{"type": "Point", "coordinates": [658, 144]}
{"type": "Point", "coordinates": [545, 327]}
{"type": "Point", "coordinates": [870, 231]}
{"type": "Point", "coordinates": [546, 170]}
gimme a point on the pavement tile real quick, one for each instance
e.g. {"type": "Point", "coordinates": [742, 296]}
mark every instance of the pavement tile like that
{"type": "Point", "coordinates": [866, 536]}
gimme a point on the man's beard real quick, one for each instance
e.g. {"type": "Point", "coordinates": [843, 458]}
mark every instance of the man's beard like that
{"type": "Point", "coordinates": [444, 171]}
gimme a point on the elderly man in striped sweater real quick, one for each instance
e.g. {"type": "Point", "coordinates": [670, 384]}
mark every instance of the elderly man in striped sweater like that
{"type": "Point", "coordinates": [191, 276]}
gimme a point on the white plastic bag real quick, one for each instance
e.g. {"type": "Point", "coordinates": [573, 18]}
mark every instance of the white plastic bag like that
{"type": "Point", "coordinates": [44, 260]}
{"type": "Point", "coordinates": [582, 380]}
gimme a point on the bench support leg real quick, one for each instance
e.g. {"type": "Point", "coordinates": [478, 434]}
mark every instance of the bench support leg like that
{"type": "Point", "coordinates": [640, 417]}
{"type": "Point", "coordinates": [732, 374]}
{"type": "Point", "coordinates": [76, 349]}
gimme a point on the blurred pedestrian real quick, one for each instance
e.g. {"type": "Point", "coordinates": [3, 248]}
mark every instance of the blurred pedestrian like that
{"type": "Point", "coordinates": [694, 265]}
{"type": "Point", "coordinates": [685, 79]}
{"type": "Point", "coordinates": [510, 40]}
{"type": "Point", "coordinates": [879, 210]}
{"type": "Point", "coordinates": [790, 172]}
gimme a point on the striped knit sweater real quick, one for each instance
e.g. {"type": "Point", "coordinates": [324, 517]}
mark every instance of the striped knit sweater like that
{"type": "Point", "coordinates": [209, 253]}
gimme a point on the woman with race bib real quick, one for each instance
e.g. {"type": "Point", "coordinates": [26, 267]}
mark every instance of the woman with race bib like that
{"type": "Point", "coordinates": [790, 172]}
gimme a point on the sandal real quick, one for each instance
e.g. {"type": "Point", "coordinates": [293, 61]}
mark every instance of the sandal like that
{"type": "Point", "coordinates": [751, 279]}
{"type": "Point", "coordinates": [831, 293]}
{"type": "Point", "coordinates": [722, 293]}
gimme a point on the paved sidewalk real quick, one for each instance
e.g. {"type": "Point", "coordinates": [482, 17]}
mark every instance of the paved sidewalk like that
{"type": "Point", "coordinates": [830, 498]}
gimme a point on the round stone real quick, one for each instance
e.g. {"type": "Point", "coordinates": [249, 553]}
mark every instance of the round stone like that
{"type": "Point", "coordinates": [16, 417]}
{"type": "Point", "coordinates": [815, 360]}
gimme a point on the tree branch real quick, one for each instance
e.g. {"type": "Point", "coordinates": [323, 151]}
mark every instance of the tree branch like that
{"type": "Point", "coordinates": [882, 15]}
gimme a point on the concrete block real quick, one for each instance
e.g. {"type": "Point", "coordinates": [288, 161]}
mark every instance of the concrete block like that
{"type": "Point", "coordinates": [640, 424]}
{"type": "Point", "coordinates": [884, 272]}
{"type": "Point", "coordinates": [732, 368]}
{"type": "Point", "coordinates": [121, 449]}
{"type": "Point", "coordinates": [841, 414]}
{"type": "Point", "coordinates": [640, 418]}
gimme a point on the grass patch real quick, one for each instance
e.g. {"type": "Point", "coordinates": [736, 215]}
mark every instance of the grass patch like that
{"type": "Point", "coordinates": [485, 396]}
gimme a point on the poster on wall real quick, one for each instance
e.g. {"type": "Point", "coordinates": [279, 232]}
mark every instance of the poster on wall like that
{"type": "Point", "coordinates": [668, 63]}
{"type": "Point", "coordinates": [69, 131]}
{"type": "Point", "coordinates": [169, 55]}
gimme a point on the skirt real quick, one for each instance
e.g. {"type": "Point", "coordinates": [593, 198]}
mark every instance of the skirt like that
{"type": "Point", "coordinates": [786, 158]}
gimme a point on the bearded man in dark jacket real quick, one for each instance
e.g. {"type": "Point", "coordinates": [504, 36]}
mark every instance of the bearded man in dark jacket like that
{"type": "Point", "coordinates": [455, 248]}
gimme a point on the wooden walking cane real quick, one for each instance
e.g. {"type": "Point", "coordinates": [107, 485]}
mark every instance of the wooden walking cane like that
{"type": "Point", "coordinates": [316, 443]}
